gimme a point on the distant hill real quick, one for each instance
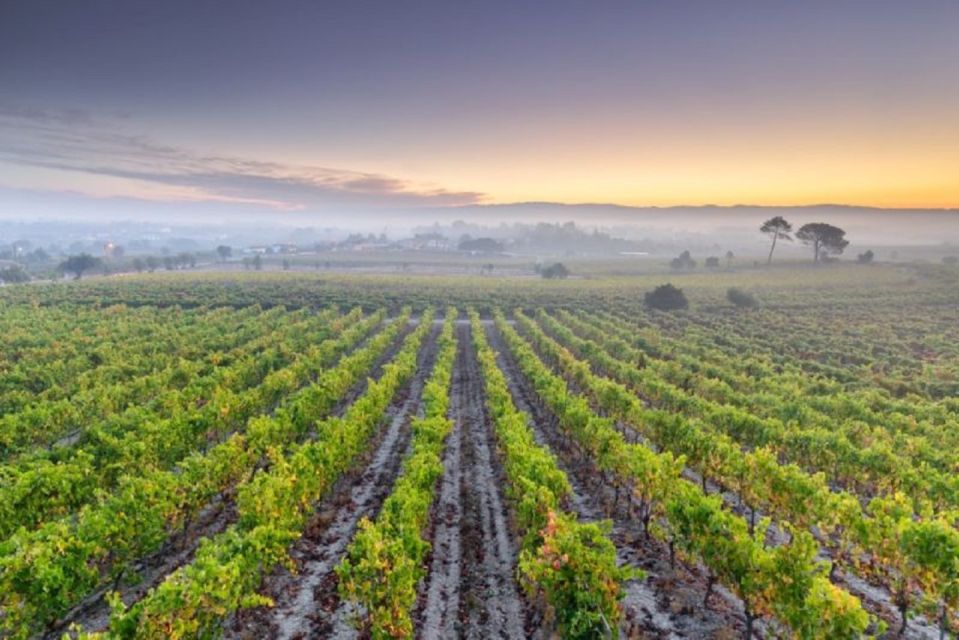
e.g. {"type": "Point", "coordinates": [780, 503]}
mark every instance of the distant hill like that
{"type": "Point", "coordinates": [865, 225]}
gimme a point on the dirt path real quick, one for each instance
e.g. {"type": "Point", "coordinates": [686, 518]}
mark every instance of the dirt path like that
{"type": "Point", "coordinates": [307, 604]}
{"type": "Point", "coordinates": [441, 608]}
{"type": "Point", "coordinates": [471, 591]}
{"type": "Point", "coordinates": [668, 603]}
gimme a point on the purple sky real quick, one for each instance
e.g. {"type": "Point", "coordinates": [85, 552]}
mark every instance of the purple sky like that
{"type": "Point", "coordinates": [312, 107]}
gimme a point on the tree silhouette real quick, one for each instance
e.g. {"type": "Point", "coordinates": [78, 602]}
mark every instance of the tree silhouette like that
{"type": "Point", "coordinates": [777, 228]}
{"type": "Point", "coordinates": [224, 251]}
{"type": "Point", "coordinates": [78, 264]}
{"type": "Point", "coordinates": [824, 239]}
{"type": "Point", "coordinates": [683, 261]}
{"type": "Point", "coordinates": [556, 271]}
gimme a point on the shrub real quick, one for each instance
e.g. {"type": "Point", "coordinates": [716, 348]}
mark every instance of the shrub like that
{"type": "Point", "coordinates": [741, 298]}
{"type": "Point", "coordinates": [557, 271]}
{"type": "Point", "coordinates": [666, 298]}
{"type": "Point", "coordinates": [14, 274]}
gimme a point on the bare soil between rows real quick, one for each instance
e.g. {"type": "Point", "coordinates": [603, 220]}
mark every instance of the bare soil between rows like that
{"type": "Point", "coordinates": [307, 603]}
{"type": "Point", "coordinates": [471, 590]}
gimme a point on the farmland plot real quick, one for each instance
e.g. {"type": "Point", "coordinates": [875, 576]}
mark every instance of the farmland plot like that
{"type": "Point", "coordinates": [524, 472]}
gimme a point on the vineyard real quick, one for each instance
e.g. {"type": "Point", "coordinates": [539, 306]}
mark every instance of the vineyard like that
{"type": "Point", "coordinates": [392, 457]}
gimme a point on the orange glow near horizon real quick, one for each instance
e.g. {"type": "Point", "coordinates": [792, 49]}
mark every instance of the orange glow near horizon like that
{"type": "Point", "coordinates": [807, 156]}
{"type": "Point", "coordinates": [921, 182]}
{"type": "Point", "coordinates": [333, 106]}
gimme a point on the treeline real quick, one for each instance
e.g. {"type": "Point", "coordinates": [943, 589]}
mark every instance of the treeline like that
{"type": "Point", "coordinates": [826, 241]}
{"type": "Point", "coordinates": [83, 264]}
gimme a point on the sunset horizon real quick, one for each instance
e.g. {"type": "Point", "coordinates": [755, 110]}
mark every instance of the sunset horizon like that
{"type": "Point", "coordinates": [684, 104]}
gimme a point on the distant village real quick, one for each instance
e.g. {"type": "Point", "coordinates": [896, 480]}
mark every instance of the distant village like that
{"type": "Point", "coordinates": [43, 253]}
{"type": "Point", "coordinates": [369, 242]}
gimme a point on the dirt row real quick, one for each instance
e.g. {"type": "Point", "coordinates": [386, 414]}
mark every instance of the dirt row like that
{"type": "Point", "coordinates": [306, 602]}
{"type": "Point", "coordinates": [93, 613]}
{"type": "Point", "coordinates": [471, 591]}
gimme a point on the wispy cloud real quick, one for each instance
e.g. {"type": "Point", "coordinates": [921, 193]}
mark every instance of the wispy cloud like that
{"type": "Point", "coordinates": [73, 142]}
{"type": "Point", "coordinates": [45, 116]}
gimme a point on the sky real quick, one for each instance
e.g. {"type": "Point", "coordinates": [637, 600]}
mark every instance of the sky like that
{"type": "Point", "coordinates": [303, 108]}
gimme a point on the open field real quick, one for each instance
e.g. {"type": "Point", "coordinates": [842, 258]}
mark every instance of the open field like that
{"type": "Point", "coordinates": [312, 455]}
{"type": "Point", "coordinates": [482, 321]}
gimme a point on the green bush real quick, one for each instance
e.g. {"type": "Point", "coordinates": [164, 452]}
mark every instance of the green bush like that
{"type": "Point", "coordinates": [666, 298]}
